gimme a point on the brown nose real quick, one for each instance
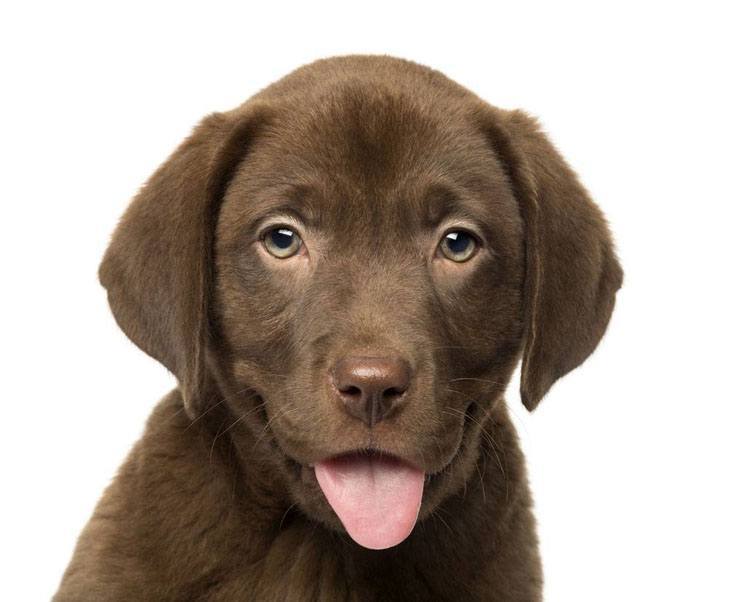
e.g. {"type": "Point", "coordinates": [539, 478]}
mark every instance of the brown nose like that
{"type": "Point", "coordinates": [371, 387]}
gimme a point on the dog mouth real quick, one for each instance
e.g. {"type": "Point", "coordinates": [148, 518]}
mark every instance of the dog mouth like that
{"type": "Point", "coordinates": [376, 496]}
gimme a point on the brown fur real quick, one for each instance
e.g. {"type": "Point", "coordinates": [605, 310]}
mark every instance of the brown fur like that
{"type": "Point", "coordinates": [216, 501]}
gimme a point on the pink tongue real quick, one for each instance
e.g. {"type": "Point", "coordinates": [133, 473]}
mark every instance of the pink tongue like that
{"type": "Point", "coordinates": [376, 498]}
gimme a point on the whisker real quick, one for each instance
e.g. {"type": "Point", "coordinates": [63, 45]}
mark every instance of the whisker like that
{"type": "Point", "coordinates": [212, 407]}
{"type": "Point", "coordinates": [484, 434]}
{"type": "Point", "coordinates": [437, 514]}
{"type": "Point", "coordinates": [287, 409]}
{"type": "Point", "coordinates": [215, 405]}
{"type": "Point", "coordinates": [481, 380]}
{"type": "Point", "coordinates": [281, 522]}
{"type": "Point", "coordinates": [481, 481]}
{"type": "Point", "coordinates": [179, 411]}
{"type": "Point", "coordinates": [468, 348]}
{"type": "Point", "coordinates": [515, 415]}
{"type": "Point", "coordinates": [230, 426]}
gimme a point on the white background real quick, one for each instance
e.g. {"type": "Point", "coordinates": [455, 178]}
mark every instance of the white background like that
{"type": "Point", "coordinates": [628, 456]}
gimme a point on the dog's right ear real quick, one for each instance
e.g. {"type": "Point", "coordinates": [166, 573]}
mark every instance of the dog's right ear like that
{"type": "Point", "coordinates": [158, 267]}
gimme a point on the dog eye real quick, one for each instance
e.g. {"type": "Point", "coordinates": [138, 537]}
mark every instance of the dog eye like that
{"type": "Point", "coordinates": [458, 245]}
{"type": "Point", "coordinates": [281, 242]}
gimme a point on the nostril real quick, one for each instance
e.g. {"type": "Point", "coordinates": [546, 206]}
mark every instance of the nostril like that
{"type": "Point", "coordinates": [393, 392]}
{"type": "Point", "coordinates": [351, 391]}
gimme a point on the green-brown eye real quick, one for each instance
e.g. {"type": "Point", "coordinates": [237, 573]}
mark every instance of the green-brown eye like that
{"type": "Point", "coordinates": [281, 242]}
{"type": "Point", "coordinates": [458, 245]}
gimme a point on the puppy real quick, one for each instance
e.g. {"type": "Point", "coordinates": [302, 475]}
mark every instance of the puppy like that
{"type": "Point", "coordinates": [343, 273]}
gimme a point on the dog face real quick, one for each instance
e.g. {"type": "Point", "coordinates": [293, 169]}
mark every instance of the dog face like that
{"type": "Point", "coordinates": [356, 270]}
{"type": "Point", "coordinates": [370, 268]}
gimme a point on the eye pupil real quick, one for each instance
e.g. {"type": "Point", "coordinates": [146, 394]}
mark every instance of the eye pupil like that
{"type": "Point", "coordinates": [458, 242]}
{"type": "Point", "coordinates": [282, 238]}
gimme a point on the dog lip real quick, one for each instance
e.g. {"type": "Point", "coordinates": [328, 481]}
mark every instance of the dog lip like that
{"type": "Point", "coordinates": [371, 452]}
{"type": "Point", "coordinates": [309, 464]}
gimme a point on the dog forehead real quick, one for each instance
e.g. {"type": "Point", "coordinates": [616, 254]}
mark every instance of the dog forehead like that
{"type": "Point", "coordinates": [370, 149]}
{"type": "Point", "coordinates": [367, 134]}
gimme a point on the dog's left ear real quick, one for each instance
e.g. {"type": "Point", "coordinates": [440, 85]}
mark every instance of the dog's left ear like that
{"type": "Point", "coordinates": [572, 273]}
{"type": "Point", "coordinates": [158, 267]}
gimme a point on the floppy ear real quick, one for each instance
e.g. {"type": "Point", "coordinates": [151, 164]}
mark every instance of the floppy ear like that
{"type": "Point", "coordinates": [572, 273]}
{"type": "Point", "coordinates": [158, 268]}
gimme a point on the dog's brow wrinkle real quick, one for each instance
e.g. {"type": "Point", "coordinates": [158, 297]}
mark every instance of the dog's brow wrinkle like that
{"type": "Point", "coordinates": [279, 218]}
{"type": "Point", "coordinates": [298, 205]}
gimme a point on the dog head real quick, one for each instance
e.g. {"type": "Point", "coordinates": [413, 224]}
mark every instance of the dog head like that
{"type": "Point", "coordinates": [355, 260]}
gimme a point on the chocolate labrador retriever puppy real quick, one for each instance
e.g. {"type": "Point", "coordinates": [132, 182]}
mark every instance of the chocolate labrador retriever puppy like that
{"type": "Point", "coordinates": [343, 273]}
